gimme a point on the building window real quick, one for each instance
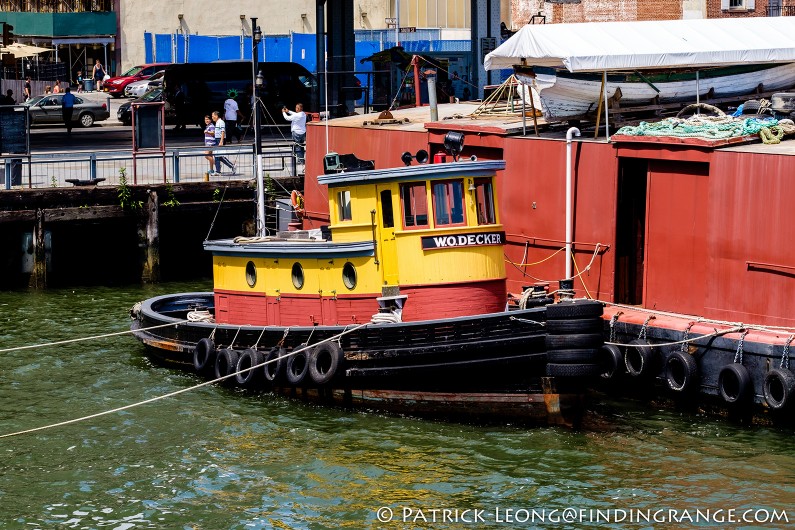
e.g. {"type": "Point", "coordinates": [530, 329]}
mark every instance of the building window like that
{"type": "Point", "coordinates": [484, 200]}
{"type": "Point", "coordinates": [344, 202]}
{"type": "Point", "coordinates": [415, 205]}
{"type": "Point", "coordinates": [736, 4]}
{"type": "Point", "coordinates": [448, 203]}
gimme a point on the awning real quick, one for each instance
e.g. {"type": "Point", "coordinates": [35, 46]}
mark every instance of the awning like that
{"type": "Point", "coordinates": [607, 46]}
{"type": "Point", "coordinates": [24, 50]}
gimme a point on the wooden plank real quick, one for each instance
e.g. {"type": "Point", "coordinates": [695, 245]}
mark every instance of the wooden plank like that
{"type": "Point", "coordinates": [17, 216]}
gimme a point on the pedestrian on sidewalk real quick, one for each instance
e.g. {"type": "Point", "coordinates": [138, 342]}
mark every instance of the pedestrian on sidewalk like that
{"type": "Point", "coordinates": [98, 74]}
{"type": "Point", "coordinates": [57, 88]}
{"type": "Point", "coordinates": [232, 115]}
{"type": "Point", "coordinates": [27, 92]}
{"type": "Point", "coordinates": [209, 141]}
{"type": "Point", "coordinates": [297, 121]}
{"type": "Point", "coordinates": [68, 105]}
{"type": "Point", "coordinates": [220, 138]}
{"type": "Point", "coordinates": [79, 81]}
{"type": "Point", "coordinates": [8, 99]}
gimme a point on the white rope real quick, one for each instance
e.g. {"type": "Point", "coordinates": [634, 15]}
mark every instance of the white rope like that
{"type": "Point", "coordinates": [393, 317]}
{"type": "Point", "coordinates": [683, 341]}
{"type": "Point", "coordinates": [201, 316]}
{"type": "Point", "coordinates": [83, 339]}
{"type": "Point", "coordinates": [177, 392]}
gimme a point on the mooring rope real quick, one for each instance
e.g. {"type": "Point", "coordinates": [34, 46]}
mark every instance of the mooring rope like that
{"type": "Point", "coordinates": [182, 391]}
{"type": "Point", "coordinates": [93, 337]}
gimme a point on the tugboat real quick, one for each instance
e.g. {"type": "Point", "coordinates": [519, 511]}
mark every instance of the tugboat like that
{"type": "Point", "coordinates": [400, 304]}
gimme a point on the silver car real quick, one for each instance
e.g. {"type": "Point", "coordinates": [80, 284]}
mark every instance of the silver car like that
{"type": "Point", "coordinates": [47, 109]}
{"type": "Point", "coordinates": [139, 88]}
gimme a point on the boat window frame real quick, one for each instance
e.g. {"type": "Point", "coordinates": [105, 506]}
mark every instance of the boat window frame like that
{"type": "Point", "coordinates": [448, 201]}
{"type": "Point", "coordinates": [298, 276]}
{"type": "Point", "coordinates": [485, 186]}
{"type": "Point", "coordinates": [412, 185]}
{"type": "Point", "coordinates": [344, 211]}
{"type": "Point", "coordinates": [349, 276]}
{"type": "Point", "coordinates": [251, 274]}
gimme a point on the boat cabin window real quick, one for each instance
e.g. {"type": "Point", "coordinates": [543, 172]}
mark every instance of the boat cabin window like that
{"type": "Point", "coordinates": [484, 200]}
{"type": "Point", "coordinates": [251, 274]}
{"type": "Point", "coordinates": [387, 217]}
{"type": "Point", "coordinates": [344, 202]}
{"type": "Point", "coordinates": [448, 202]}
{"type": "Point", "coordinates": [415, 205]}
{"type": "Point", "coordinates": [298, 275]}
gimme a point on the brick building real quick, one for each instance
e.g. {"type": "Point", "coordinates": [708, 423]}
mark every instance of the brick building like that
{"type": "Point", "coordinates": [558, 11]}
{"type": "Point", "coordinates": [750, 8]}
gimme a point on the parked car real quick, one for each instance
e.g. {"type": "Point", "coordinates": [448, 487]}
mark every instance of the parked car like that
{"type": "Point", "coordinates": [48, 109]}
{"type": "Point", "coordinates": [139, 88]}
{"type": "Point", "coordinates": [115, 85]}
{"type": "Point", "coordinates": [124, 114]}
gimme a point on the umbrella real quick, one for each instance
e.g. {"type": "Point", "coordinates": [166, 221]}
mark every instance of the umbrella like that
{"type": "Point", "coordinates": [23, 50]}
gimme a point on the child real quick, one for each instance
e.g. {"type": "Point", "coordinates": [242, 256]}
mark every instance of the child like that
{"type": "Point", "coordinates": [79, 80]}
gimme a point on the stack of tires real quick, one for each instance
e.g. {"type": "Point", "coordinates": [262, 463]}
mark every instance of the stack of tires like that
{"type": "Point", "coordinates": [574, 337]}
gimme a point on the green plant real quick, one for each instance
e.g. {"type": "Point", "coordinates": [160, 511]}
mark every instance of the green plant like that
{"type": "Point", "coordinates": [125, 193]}
{"type": "Point", "coordinates": [217, 195]}
{"type": "Point", "coordinates": [53, 182]}
{"type": "Point", "coordinates": [172, 200]}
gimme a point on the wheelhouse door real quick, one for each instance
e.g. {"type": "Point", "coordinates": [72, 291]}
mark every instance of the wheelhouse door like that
{"type": "Point", "coordinates": [388, 255]}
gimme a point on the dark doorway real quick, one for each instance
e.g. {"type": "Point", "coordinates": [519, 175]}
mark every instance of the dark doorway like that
{"type": "Point", "coordinates": [631, 230]}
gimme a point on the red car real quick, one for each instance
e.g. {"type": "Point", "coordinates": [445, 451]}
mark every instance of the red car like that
{"type": "Point", "coordinates": [115, 85]}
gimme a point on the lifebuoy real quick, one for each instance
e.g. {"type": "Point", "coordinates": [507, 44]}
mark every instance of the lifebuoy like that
{"type": "Point", "coordinates": [681, 371]}
{"type": "Point", "coordinates": [204, 355]}
{"type": "Point", "coordinates": [734, 383]}
{"type": "Point", "coordinates": [779, 387]}
{"type": "Point", "coordinates": [324, 362]}
{"type": "Point", "coordinates": [274, 364]}
{"type": "Point", "coordinates": [249, 377]}
{"type": "Point", "coordinates": [297, 366]}
{"type": "Point", "coordinates": [638, 357]}
{"type": "Point", "coordinates": [225, 364]}
{"type": "Point", "coordinates": [297, 201]}
{"type": "Point", "coordinates": [610, 359]}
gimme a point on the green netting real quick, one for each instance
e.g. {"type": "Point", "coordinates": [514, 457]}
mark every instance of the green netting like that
{"type": "Point", "coordinates": [711, 127]}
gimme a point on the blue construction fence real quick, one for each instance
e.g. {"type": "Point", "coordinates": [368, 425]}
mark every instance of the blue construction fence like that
{"type": "Point", "coordinates": [299, 48]}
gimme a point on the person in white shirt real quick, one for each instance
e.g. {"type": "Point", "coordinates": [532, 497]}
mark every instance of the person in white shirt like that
{"type": "Point", "coordinates": [232, 115]}
{"type": "Point", "coordinates": [297, 121]}
{"type": "Point", "coordinates": [220, 137]}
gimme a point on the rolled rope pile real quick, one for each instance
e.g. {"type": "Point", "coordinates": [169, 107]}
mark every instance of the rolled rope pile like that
{"type": "Point", "coordinates": [771, 130]}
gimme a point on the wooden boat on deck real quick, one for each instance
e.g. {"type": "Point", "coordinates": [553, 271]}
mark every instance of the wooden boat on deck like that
{"type": "Point", "coordinates": [400, 306]}
{"type": "Point", "coordinates": [565, 94]}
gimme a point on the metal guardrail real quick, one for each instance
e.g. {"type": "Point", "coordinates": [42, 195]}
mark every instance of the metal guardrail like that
{"type": "Point", "coordinates": [182, 165]}
{"type": "Point", "coordinates": [780, 11]}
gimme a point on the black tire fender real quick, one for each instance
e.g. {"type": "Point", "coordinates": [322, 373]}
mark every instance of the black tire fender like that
{"type": "Point", "coordinates": [325, 361]}
{"type": "Point", "coordinates": [638, 357]}
{"type": "Point", "coordinates": [569, 309]}
{"type": "Point", "coordinates": [574, 341]}
{"type": "Point", "coordinates": [574, 356]}
{"type": "Point", "coordinates": [575, 325]}
{"type": "Point", "coordinates": [253, 376]}
{"type": "Point", "coordinates": [297, 366]}
{"type": "Point", "coordinates": [681, 372]}
{"type": "Point", "coordinates": [573, 370]}
{"type": "Point", "coordinates": [273, 370]}
{"type": "Point", "coordinates": [611, 360]}
{"type": "Point", "coordinates": [204, 355]}
{"type": "Point", "coordinates": [778, 388]}
{"type": "Point", "coordinates": [734, 383]}
{"type": "Point", "coordinates": [225, 364]}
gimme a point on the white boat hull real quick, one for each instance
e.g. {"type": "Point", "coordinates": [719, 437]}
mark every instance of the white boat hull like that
{"type": "Point", "coordinates": [564, 97]}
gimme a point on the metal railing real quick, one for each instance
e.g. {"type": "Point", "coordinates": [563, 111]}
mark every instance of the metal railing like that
{"type": "Point", "coordinates": [56, 6]}
{"type": "Point", "coordinates": [780, 11]}
{"type": "Point", "coordinates": [182, 165]}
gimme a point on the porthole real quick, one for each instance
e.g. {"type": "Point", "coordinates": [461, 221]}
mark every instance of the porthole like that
{"type": "Point", "coordinates": [298, 275]}
{"type": "Point", "coordinates": [349, 275]}
{"type": "Point", "coordinates": [251, 274]}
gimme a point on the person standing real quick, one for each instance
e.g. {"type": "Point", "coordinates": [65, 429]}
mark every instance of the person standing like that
{"type": "Point", "coordinates": [67, 107]}
{"type": "Point", "coordinates": [8, 99]}
{"type": "Point", "coordinates": [79, 81]}
{"type": "Point", "coordinates": [28, 89]}
{"type": "Point", "coordinates": [220, 138]}
{"type": "Point", "coordinates": [57, 88]}
{"type": "Point", "coordinates": [297, 121]}
{"type": "Point", "coordinates": [98, 74]}
{"type": "Point", "coordinates": [232, 115]}
{"type": "Point", "coordinates": [209, 141]}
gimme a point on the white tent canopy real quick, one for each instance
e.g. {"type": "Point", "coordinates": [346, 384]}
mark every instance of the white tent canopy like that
{"type": "Point", "coordinates": [607, 46]}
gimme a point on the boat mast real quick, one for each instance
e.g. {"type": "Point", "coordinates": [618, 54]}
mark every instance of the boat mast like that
{"type": "Point", "coordinates": [256, 82]}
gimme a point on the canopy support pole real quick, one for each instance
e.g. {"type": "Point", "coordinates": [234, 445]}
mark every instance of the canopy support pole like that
{"type": "Point", "coordinates": [533, 108]}
{"type": "Point", "coordinates": [599, 109]}
{"type": "Point", "coordinates": [698, 93]}
{"type": "Point", "coordinates": [524, 113]}
{"type": "Point", "coordinates": [607, 113]}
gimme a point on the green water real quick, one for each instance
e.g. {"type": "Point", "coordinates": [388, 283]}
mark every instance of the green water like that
{"type": "Point", "coordinates": [218, 458]}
